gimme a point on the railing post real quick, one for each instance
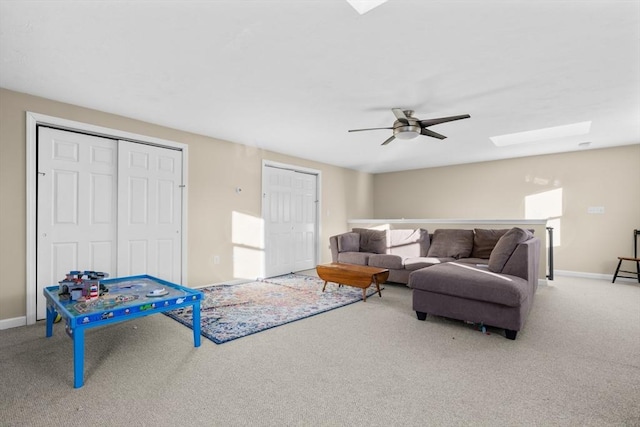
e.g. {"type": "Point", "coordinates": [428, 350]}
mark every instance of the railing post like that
{"type": "Point", "coordinates": [550, 255]}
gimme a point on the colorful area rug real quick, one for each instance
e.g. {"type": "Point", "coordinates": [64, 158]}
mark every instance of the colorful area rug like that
{"type": "Point", "coordinates": [233, 311]}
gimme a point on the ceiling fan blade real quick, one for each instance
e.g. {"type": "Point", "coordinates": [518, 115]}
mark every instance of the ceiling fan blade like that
{"type": "Point", "coordinates": [400, 115]}
{"type": "Point", "coordinates": [360, 130]}
{"type": "Point", "coordinates": [431, 122]}
{"type": "Point", "coordinates": [391, 138]}
{"type": "Point", "coordinates": [432, 134]}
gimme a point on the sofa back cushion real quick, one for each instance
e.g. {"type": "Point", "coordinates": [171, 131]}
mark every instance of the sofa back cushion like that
{"type": "Point", "coordinates": [506, 246]}
{"type": "Point", "coordinates": [484, 241]}
{"type": "Point", "coordinates": [349, 242]}
{"type": "Point", "coordinates": [451, 243]}
{"type": "Point", "coordinates": [408, 243]}
{"type": "Point", "coordinates": [373, 241]}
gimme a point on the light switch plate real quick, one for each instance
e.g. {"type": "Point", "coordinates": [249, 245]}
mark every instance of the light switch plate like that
{"type": "Point", "coordinates": [595, 209]}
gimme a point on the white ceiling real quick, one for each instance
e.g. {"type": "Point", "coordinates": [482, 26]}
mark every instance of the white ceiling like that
{"type": "Point", "coordinates": [293, 76]}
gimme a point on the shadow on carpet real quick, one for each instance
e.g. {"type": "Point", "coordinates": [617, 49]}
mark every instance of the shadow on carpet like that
{"type": "Point", "coordinates": [233, 311]}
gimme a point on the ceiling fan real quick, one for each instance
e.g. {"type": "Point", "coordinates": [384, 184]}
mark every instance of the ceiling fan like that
{"type": "Point", "coordinates": [407, 127]}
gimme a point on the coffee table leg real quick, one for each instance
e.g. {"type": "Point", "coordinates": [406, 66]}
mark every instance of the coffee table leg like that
{"type": "Point", "coordinates": [375, 280]}
{"type": "Point", "coordinates": [325, 285]}
{"type": "Point", "coordinates": [364, 294]}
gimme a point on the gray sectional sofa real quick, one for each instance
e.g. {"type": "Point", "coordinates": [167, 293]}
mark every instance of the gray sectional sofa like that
{"type": "Point", "coordinates": [480, 275]}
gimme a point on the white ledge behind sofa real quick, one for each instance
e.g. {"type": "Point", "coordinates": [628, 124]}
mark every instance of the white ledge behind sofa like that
{"type": "Point", "coordinates": [538, 225]}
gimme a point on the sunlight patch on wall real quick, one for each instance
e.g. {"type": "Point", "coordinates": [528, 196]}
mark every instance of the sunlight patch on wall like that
{"type": "Point", "coordinates": [247, 230]}
{"type": "Point", "coordinates": [247, 236]}
{"type": "Point", "coordinates": [546, 205]}
{"type": "Point", "coordinates": [247, 263]}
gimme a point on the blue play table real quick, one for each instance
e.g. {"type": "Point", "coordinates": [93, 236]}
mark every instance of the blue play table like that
{"type": "Point", "coordinates": [127, 298]}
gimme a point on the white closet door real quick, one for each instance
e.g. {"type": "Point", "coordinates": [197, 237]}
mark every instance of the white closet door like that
{"type": "Point", "coordinates": [304, 221]}
{"type": "Point", "coordinates": [76, 219]}
{"type": "Point", "coordinates": [149, 211]}
{"type": "Point", "coordinates": [290, 221]}
{"type": "Point", "coordinates": [278, 222]}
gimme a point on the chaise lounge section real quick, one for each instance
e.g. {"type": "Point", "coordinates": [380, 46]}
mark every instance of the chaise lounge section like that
{"type": "Point", "coordinates": [499, 294]}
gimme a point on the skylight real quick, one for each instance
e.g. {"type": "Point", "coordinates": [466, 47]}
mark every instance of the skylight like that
{"type": "Point", "coordinates": [544, 134]}
{"type": "Point", "coordinates": [364, 6]}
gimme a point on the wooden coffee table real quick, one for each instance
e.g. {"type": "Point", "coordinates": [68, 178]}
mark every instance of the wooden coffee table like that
{"type": "Point", "coordinates": [359, 276]}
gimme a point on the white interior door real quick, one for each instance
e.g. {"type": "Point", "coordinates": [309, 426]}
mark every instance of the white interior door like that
{"type": "Point", "coordinates": [304, 198]}
{"type": "Point", "coordinates": [149, 211]}
{"type": "Point", "coordinates": [290, 205]}
{"type": "Point", "coordinates": [76, 216]}
{"type": "Point", "coordinates": [278, 222]}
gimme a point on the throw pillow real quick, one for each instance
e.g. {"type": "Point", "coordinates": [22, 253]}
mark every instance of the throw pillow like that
{"type": "Point", "coordinates": [505, 247]}
{"type": "Point", "coordinates": [451, 243]}
{"type": "Point", "coordinates": [349, 242]}
{"type": "Point", "coordinates": [484, 241]}
{"type": "Point", "coordinates": [373, 241]}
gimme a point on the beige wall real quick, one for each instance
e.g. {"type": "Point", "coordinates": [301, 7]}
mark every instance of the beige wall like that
{"type": "Point", "coordinates": [216, 168]}
{"type": "Point", "coordinates": [589, 243]}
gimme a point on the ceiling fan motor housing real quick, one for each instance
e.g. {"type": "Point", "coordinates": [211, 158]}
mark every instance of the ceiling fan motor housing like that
{"type": "Point", "coordinates": [406, 131]}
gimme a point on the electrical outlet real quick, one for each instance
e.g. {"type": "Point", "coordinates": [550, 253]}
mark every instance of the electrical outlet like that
{"type": "Point", "coordinates": [595, 209]}
{"type": "Point", "coordinates": [216, 259]}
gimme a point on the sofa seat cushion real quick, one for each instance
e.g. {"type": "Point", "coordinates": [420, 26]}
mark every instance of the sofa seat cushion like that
{"type": "Point", "coordinates": [469, 282]}
{"type": "Point", "coordinates": [359, 258]}
{"type": "Point", "coordinates": [417, 263]}
{"type": "Point", "coordinates": [386, 261]}
{"type": "Point", "coordinates": [474, 261]}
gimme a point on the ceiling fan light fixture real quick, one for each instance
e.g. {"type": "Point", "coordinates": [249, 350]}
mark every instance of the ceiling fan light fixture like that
{"type": "Point", "coordinates": [406, 132]}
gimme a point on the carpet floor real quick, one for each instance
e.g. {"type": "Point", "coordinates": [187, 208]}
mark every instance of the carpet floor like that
{"type": "Point", "coordinates": [575, 363]}
{"type": "Point", "coordinates": [231, 311]}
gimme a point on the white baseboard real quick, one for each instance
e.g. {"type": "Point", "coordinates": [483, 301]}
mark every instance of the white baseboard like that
{"type": "Point", "coordinates": [584, 275]}
{"type": "Point", "coordinates": [13, 323]}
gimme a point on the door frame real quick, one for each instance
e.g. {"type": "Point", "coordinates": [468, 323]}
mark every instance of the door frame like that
{"type": "Point", "coordinates": [33, 120]}
{"type": "Point", "coordinates": [318, 175]}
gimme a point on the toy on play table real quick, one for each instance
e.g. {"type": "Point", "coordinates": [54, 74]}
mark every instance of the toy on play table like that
{"type": "Point", "coordinates": [82, 286]}
{"type": "Point", "coordinates": [157, 292]}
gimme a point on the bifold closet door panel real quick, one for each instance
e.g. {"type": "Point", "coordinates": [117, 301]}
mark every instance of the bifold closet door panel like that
{"type": "Point", "coordinates": [77, 206]}
{"type": "Point", "coordinates": [149, 211]}
{"type": "Point", "coordinates": [290, 220]}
